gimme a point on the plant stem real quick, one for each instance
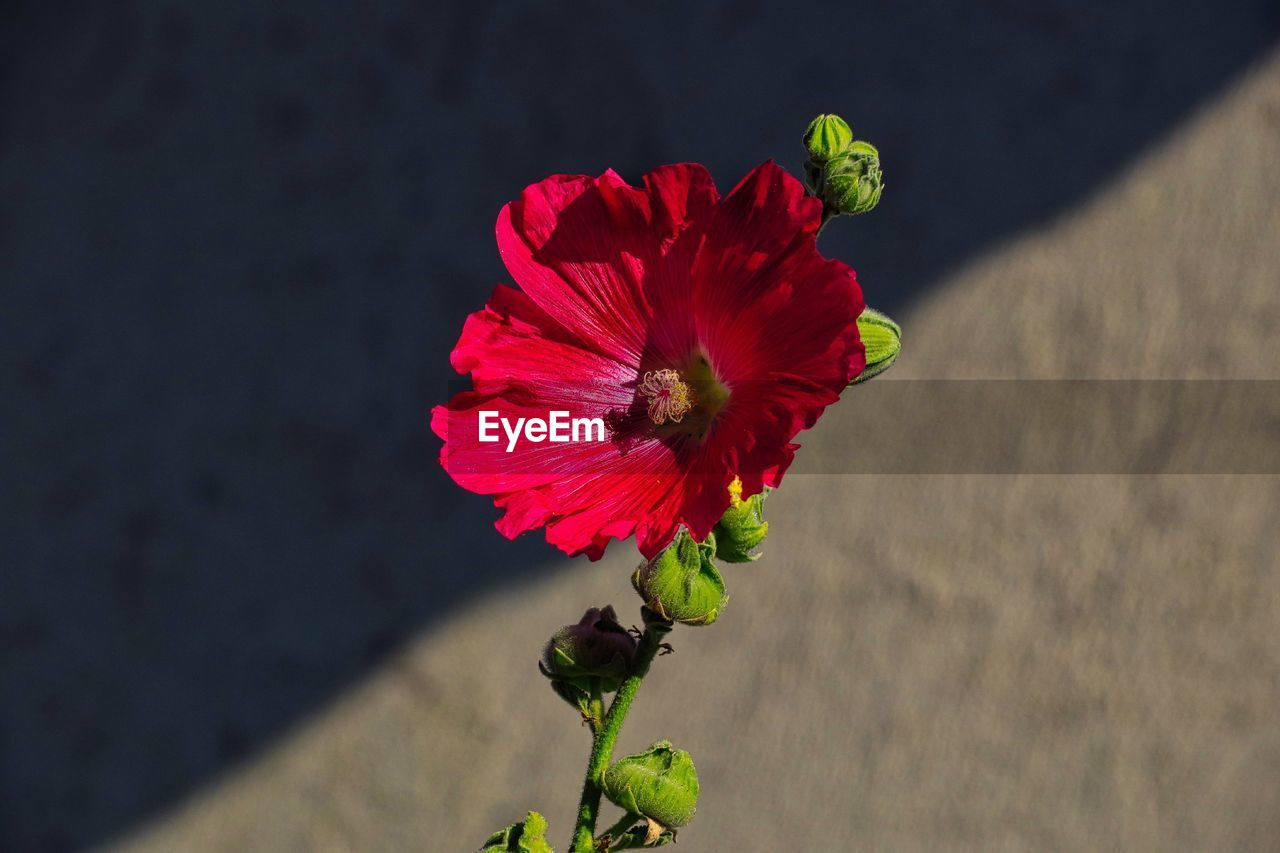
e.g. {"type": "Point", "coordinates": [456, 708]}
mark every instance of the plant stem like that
{"type": "Point", "coordinates": [828, 214]}
{"type": "Point", "coordinates": [606, 735]}
{"type": "Point", "coordinates": [595, 713]}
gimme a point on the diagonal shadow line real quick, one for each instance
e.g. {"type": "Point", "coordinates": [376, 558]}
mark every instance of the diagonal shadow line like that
{"type": "Point", "coordinates": [237, 247]}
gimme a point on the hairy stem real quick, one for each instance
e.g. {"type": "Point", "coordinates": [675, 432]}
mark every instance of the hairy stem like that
{"type": "Point", "coordinates": [606, 735]}
{"type": "Point", "coordinates": [595, 714]}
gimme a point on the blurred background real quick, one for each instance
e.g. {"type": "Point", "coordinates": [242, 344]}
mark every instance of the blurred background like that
{"type": "Point", "coordinates": [242, 608]}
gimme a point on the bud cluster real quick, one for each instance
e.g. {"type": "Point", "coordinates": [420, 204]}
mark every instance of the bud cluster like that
{"type": "Point", "coordinates": [596, 655]}
{"type": "Point", "coordinates": [843, 172]}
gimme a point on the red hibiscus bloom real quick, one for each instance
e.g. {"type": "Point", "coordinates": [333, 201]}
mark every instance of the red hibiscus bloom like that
{"type": "Point", "coordinates": [705, 332]}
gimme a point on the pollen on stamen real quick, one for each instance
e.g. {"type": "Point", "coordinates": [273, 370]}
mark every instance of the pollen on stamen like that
{"type": "Point", "coordinates": [670, 398]}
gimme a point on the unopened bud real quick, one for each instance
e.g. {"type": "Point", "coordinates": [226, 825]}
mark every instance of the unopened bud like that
{"type": "Point", "coordinates": [827, 136]}
{"type": "Point", "coordinates": [660, 784]}
{"type": "Point", "coordinates": [882, 339]}
{"type": "Point", "coordinates": [681, 584]}
{"type": "Point", "coordinates": [594, 654]}
{"type": "Point", "coordinates": [742, 527]}
{"type": "Point", "coordinates": [852, 181]}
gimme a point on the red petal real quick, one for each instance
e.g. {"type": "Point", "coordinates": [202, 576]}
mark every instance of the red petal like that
{"type": "Point", "coordinates": [589, 251]}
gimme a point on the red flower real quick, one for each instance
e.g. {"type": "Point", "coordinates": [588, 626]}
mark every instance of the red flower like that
{"type": "Point", "coordinates": [703, 332]}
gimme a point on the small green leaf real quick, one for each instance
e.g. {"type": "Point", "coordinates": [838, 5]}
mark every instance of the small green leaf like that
{"type": "Point", "coordinates": [526, 837]}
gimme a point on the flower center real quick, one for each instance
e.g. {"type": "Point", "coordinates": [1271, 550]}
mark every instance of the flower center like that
{"type": "Point", "coordinates": [670, 397]}
{"type": "Point", "coordinates": [691, 397]}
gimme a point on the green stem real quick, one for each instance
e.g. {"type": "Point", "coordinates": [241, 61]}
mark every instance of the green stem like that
{"type": "Point", "coordinates": [828, 214]}
{"type": "Point", "coordinates": [595, 713]}
{"type": "Point", "coordinates": [606, 735]}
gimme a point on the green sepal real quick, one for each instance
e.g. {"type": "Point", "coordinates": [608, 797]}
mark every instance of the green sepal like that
{"type": "Point", "coordinates": [682, 584]}
{"type": "Point", "coordinates": [526, 837]}
{"type": "Point", "coordinates": [882, 339]}
{"type": "Point", "coordinates": [575, 696]}
{"type": "Point", "coordinates": [659, 783]}
{"type": "Point", "coordinates": [637, 838]}
{"type": "Point", "coordinates": [742, 527]}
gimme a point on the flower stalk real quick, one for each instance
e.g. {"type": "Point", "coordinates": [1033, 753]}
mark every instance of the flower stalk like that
{"type": "Point", "coordinates": [605, 735]}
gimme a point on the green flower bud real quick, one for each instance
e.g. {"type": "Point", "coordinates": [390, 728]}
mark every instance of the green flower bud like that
{"type": "Point", "coordinates": [882, 339]}
{"type": "Point", "coordinates": [742, 527]}
{"type": "Point", "coordinates": [681, 584]}
{"type": "Point", "coordinates": [527, 837]}
{"type": "Point", "coordinates": [594, 654]}
{"type": "Point", "coordinates": [659, 783]}
{"type": "Point", "coordinates": [827, 136]}
{"type": "Point", "coordinates": [852, 182]}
